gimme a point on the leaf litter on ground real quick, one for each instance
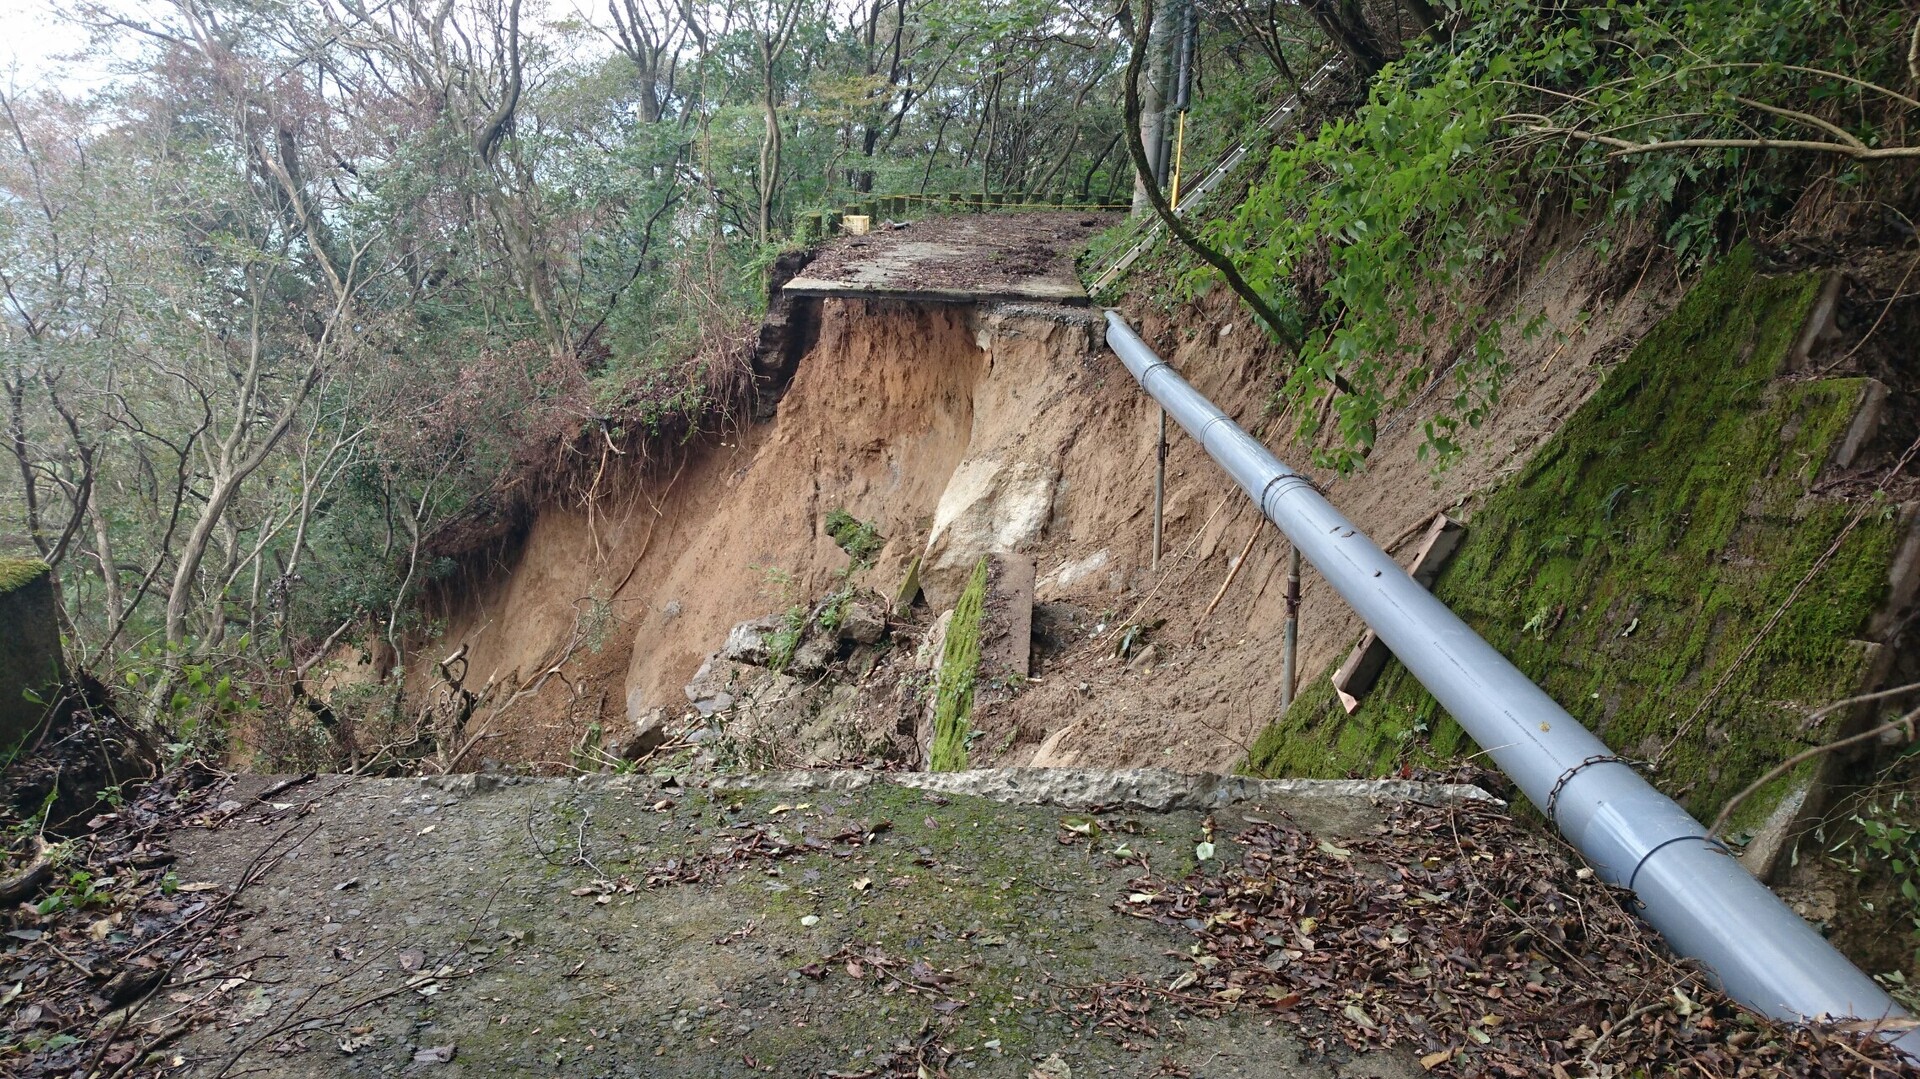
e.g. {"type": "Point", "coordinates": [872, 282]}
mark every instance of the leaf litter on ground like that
{"type": "Point", "coordinates": [82, 962]}
{"type": "Point", "coordinates": [1465, 937]}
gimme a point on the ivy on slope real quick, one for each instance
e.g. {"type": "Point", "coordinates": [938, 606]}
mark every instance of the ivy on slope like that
{"type": "Point", "coordinates": [1386, 223]}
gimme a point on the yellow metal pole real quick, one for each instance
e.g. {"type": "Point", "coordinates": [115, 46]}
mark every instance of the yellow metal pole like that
{"type": "Point", "coordinates": [1179, 139]}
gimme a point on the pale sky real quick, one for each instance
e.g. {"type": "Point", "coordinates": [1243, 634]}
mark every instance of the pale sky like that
{"type": "Point", "coordinates": [33, 41]}
{"type": "Point", "coordinates": [34, 38]}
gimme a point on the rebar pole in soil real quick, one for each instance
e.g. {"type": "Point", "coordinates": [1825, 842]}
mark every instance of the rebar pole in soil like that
{"type": "Point", "coordinates": [1290, 642]}
{"type": "Point", "coordinates": [1689, 888]}
{"type": "Point", "coordinates": [1159, 489]}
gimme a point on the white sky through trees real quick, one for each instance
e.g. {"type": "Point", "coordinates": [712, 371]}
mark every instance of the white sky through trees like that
{"type": "Point", "coordinates": [42, 40]}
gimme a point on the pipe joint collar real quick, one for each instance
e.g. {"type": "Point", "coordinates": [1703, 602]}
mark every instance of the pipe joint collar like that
{"type": "Point", "coordinates": [1278, 487]}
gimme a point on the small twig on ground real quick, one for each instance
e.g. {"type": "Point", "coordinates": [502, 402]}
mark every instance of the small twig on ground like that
{"type": "Point", "coordinates": [1232, 572]}
{"type": "Point", "coordinates": [152, 1043]}
{"type": "Point", "coordinates": [266, 795]}
{"type": "Point", "coordinates": [255, 869]}
{"type": "Point", "coordinates": [29, 880]}
{"type": "Point", "coordinates": [1606, 1035]}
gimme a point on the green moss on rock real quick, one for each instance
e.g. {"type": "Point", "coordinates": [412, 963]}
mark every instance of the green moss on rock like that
{"type": "Point", "coordinates": [959, 669]}
{"type": "Point", "coordinates": [859, 539]}
{"type": "Point", "coordinates": [1639, 554]}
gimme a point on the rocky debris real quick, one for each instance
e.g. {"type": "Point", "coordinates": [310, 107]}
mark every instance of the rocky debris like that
{"type": "Point", "coordinates": [649, 733]}
{"type": "Point", "coordinates": [752, 641]}
{"type": "Point", "coordinates": [712, 687]}
{"type": "Point", "coordinates": [791, 713]}
{"type": "Point", "coordinates": [863, 622]}
{"type": "Point", "coordinates": [817, 652]}
{"type": "Point", "coordinates": [934, 642]}
{"type": "Point", "coordinates": [1053, 752]}
{"type": "Point", "coordinates": [787, 690]}
{"type": "Point", "coordinates": [991, 506]}
{"type": "Point", "coordinates": [863, 659]}
{"type": "Point", "coordinates": [1051, 1068]}
{"type": "Point", "coordinates": [1071, 574]}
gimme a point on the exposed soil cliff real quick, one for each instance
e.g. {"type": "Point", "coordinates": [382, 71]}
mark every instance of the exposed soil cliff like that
{"type": "Point", "coordinates": [958, 431]}
{"type": "Point", "coordinates": [634, 595]}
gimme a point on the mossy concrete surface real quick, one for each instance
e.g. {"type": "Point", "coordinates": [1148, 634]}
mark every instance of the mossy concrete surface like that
{"type": "Point", "coordinates": [31, 667]}
{"type": "Point", "coordinates": [1633, 566]}
{"type": "Point", "coordinates": [959, 671]}
{"type": "Point", "coordinates": [595, 928]}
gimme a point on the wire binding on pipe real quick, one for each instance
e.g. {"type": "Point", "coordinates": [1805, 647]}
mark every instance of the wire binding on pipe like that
{"type": "Point", "coordinates": [1553, 796]}
{"type": "Point", "coordinates": [1663, 845]}
{"type": "Point", "coordinates": [1284, 481]}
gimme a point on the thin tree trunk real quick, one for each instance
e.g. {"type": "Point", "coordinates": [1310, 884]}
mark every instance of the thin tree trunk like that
{"type": "Point", "coordinates": [1153, 109]}
{"type": "Point", "coordinates": [225, 487]}
{"type": "Point", "coordinates": [109, 571]}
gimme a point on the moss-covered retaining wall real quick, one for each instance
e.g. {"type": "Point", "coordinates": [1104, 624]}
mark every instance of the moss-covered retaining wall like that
{"type": "Point", "coordinates": [31, 668]}
{"type": "Point", "coordinates": [1632, 564]}
{"type": "Point", "coordinates": [959, 671]}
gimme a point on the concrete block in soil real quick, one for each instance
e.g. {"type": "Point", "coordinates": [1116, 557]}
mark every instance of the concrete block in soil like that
{"type": "Point", "coordinates": [31, 666]}
{"type": "Point", "coordinates": [1006, 623]}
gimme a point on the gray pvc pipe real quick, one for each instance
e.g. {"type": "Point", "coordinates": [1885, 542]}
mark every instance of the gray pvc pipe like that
{"type": "Point", "coordinates": [1689, 887]}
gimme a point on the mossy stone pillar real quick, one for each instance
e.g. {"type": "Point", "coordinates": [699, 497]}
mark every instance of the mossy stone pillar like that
{"type": "Point", "coordinates": [31, 667]}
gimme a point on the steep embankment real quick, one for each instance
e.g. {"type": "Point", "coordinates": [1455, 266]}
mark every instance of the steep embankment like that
{"type": "Point", "coordinates": [629, 598]}
{"type": "Point", "coordinates": [1669, 565]}
{"type": "Point", "coordinates": [957, 430]}
{"type": "Point", "coordinates": [962, 430]}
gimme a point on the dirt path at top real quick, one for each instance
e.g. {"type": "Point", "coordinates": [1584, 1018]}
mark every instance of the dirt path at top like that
{"type": "Point", "coordinates": [615, 927]}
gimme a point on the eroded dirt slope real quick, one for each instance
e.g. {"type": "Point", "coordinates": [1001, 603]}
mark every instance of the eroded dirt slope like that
{"type": "Point", "coordinates": [875, 421]}
{"type": "Point", "coordinates": [961, 429]}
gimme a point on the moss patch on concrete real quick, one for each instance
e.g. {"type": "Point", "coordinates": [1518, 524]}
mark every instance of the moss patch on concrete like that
{"type": "Point", "coordinates": [959, 669]}
{"type": "Point", "coordinates": [15, 572]}
{"type": "Point", "coordinates": [1640, 553]}
{"type": "Point", "coordinates": [813, 932]}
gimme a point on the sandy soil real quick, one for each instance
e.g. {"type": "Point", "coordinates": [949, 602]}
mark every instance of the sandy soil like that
{"type": "Point", "coordinates": [734, 533]}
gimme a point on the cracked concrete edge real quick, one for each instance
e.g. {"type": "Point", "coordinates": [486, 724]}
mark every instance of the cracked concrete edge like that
{"type": "Point", "coordinates": [1152, 790]}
